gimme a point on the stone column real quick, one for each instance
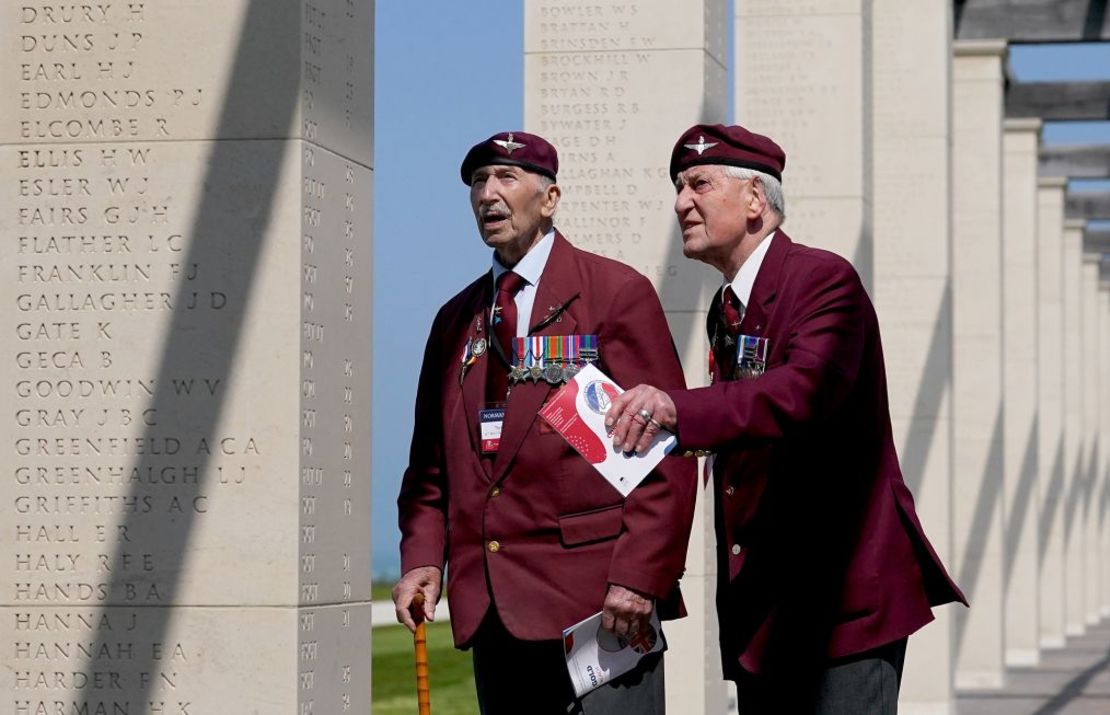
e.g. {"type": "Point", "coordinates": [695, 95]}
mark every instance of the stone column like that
{"type": "Point", "coordinates": [911, 66]}
{"type": "Point", "coordinates": [803, 76]}
{"type": "Point", "coordinates": [1089, 495]}
{"type": "Point", "coordinates": [1050, 407]}
{"type": "Point", "coordinates": [612, 85]}
{"type": "Point", "coordinates": [977, 418]}
{"type": "Point", "coordinates": [185, 519]}
{"type": "Point", "coordinates": [1104, 438]}
{"type": "Point", "coordinates": [1072, 356]}
{"type": "Point", "coordinates": [1019, 378]}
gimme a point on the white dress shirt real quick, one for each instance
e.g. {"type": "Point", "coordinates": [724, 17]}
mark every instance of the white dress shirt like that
{"type": "Point", "coordinates": [530, 268]}
{"type": "Point", "coordinates": [745, 277]}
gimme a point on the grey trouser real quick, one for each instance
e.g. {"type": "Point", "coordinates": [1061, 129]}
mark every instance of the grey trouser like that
{"type": "Point", "coordinates": [863, 684]}
{"type": "Point", "coordinates": [515, 677]}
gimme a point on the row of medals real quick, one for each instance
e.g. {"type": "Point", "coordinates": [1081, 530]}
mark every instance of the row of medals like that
{"type": "Point", "coordinates": [554, 372]}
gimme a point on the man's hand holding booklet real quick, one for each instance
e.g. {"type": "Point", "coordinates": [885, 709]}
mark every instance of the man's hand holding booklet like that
{"type": "Point", "coordinates": [577, 411]}
{"type": "Point", "coordinates": [595, 656]}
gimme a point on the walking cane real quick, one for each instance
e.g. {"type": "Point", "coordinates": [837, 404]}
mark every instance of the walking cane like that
{"type": "Point", "coordinates": [420, 643]}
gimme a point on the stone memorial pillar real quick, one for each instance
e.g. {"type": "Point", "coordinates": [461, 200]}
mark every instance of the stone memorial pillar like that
{"type": "Point", "coordinates": [1104, 452]}
{"type": "Point", "coordinates": [1050, 408]}
{"type": "Point", "coordinates": [1089, 495]}
{"type": "Point", "coordinates": [1019, 379]}
{"type": "Point", "coordinates": [185, 510]}
{"type": "Point", "coordinates": [612, 85]}
{"type": "Point", "coordinates": [1072, 514]}
{"type": "Point", "coordinates": [911, 66]}
{"type": "Point", "coordinates": [977, 419]}
{"type": "Point", "coordinates": [803, 77]}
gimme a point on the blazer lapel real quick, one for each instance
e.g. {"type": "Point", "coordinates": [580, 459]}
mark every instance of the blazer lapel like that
{"type": "Point", "coordinates": [559, 286]}
{"type": "Point", "coordinates": [474, 381]}
{"type": "Point", "coordinates": [766, 287]}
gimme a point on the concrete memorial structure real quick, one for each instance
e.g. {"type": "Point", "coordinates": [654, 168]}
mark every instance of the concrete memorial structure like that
{"type": "Point", "coordinates": [1032, 20]}
{"type": "Point", "coordinates": [1072, 515]}
{"type": "Point", "coordinates": [977, 419]}
{"type": "Point", "coordinates": [1019, 379]}
{"type": "Point", "coordinates": [911, 132]}
{"type": "Point", "coordinates": [1050, 408]}
{"type": "Point", "coordinates": [1059, 100]}
{"type": "Point", "coordinates": [1092, 561]}
{"type": "Point", "coordinates": [1103, 485]}
{"type": "Point", "coordinates": [612, 85]}
{"type": "Point", "coordinates": [1089, 205]}
{"type": "Point", "coordinates": [187, 218]}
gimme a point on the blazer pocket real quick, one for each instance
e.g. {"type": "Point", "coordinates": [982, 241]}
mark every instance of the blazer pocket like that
{"type": "Point", "coordinates": [588, 527]}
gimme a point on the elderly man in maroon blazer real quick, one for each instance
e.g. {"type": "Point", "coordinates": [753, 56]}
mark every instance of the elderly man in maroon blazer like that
{"type": "Point", "coordinates": [534, 539]}
{"type": "Point", "coordinates": [823, 567]}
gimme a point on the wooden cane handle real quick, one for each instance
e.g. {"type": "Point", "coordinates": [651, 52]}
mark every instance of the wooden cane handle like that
{"type": "Point", "coordinates": [420, 644]}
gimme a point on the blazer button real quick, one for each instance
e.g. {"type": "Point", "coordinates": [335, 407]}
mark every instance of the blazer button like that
{"type": "Point", "coordinates": [736, 549]}
{"type": "Point", "coordinates": [496, 491]}
{"type": "Point", "coordinates": [687, 453]}
{"type": "Point", "coordinates": [729, 491]}
{"type": "Point", "coordinates": [494, 547]}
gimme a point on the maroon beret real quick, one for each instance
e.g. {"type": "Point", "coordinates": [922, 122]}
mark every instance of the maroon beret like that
{"type": "Point", "coordinates": [515, 149]}
{"type": "Point", "coordinates": [734, 146]}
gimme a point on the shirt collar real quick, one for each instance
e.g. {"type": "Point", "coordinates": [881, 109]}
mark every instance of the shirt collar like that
{"type": "Point", "coordinates": [744, 281]}
{"type": "Point", "coordinates": [531, 266]}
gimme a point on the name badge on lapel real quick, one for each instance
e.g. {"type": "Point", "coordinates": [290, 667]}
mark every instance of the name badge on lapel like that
{"type": "Point", "coordinates": [751, 356]}
{"type": "Point", "coordinates": [490, 421]}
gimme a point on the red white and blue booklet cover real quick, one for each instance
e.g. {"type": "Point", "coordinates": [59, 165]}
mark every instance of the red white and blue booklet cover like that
{"type": "Point", "coordinates": [595, 656]}
{"type": "Point", "coordinates": [577, 411]}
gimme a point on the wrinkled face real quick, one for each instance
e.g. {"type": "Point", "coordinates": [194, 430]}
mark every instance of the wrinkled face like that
{"type": "Point", "coordinates": [711, 209]}
{"type": "Point", "coordinates": [511, 205]}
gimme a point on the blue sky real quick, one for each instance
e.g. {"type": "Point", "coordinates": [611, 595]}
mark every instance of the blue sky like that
{"type": "Point", "coordinates": [448, 74]}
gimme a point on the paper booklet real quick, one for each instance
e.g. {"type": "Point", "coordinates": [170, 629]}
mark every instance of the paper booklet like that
{"type": "Point", "coordinates": [577, 411]}
{"type": "Point", "coordinates": [595, 656]}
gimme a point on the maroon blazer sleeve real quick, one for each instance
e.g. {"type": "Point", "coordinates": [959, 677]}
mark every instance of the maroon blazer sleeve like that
{"type": "Point", "coordinates": [422, 503]}
{"type": "Point", "coordinates": [650, 553]}
{"type": "Point", "coordinates": [824, 352]}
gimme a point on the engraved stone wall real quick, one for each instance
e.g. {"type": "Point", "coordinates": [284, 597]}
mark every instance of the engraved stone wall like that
{"type": "Point", "coordinates": [803, 77]}
{"type": "Point", "coordinates": [186, 216]}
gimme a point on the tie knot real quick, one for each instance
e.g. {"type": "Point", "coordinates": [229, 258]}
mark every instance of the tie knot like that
{"type": "Point", "coordinates": [509, 282]}
{"type": "Point", "coordinates": [731, 311]}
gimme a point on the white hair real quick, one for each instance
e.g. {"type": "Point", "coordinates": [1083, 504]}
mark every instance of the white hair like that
{"type": "Point", "coordinates": [772, 187]}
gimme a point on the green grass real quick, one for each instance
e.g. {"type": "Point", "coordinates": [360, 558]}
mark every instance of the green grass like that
{"type": "Point", "coordinates": [381, 591]}
{"type": "Point", "coordinates": [450, 673]}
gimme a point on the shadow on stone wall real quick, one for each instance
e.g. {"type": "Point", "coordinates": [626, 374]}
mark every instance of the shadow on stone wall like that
{"type": "Point", "coordinates": [935, 380]}
{"type": "Point", "coordinates": [227, 234]}
{"type": "Point", "coordinates": [1023, 495]}
{"type": "Point", "coordinates": [987, 502]}
{"type": "Point", "coordinates": [1050, 506]}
